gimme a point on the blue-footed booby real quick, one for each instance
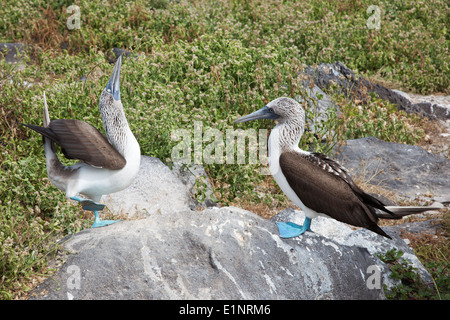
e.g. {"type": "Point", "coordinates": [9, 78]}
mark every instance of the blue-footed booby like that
{"type": "Point", "coordinates": [108, 164]}
{"type": "Point", "coordinates": [312, 181]}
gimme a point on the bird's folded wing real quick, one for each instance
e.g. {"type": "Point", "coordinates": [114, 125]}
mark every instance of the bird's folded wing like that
{"type": "Point", "coordinates": [79, 140]}
{"type": "Point", "coordinates": [323, 191]}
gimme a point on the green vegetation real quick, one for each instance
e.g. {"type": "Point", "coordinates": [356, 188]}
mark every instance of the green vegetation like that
{"type": "Point", "coordinates": [433, 252]}
{"type": "Point", "coordinates": [411, 285]}
{"type": "Point", "coordinates": [210, 61]}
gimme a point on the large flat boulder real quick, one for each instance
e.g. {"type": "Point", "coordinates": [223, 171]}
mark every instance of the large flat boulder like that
{"type": "Point", "coordinates": [218, 253]}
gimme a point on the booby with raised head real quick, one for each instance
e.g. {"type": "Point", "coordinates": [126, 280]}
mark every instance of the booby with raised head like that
{"type": "Point", "coordinates": [314, 182]}
{"type": "Point", "coordinates": [107, 164]}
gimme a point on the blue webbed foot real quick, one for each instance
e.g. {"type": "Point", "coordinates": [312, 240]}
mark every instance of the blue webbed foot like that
{"type": "Point", "coordinates": [102, 223]}
{"type": "Point", "coordinates": [90, 205]}
{"type": "Point", "coordinates": [292, 230]}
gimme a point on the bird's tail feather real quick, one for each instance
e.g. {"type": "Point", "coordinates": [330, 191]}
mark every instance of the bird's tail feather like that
{"type": "Point", "coordinates": [49, 146]}
{"type": "Point", "coordinates": [401, 211]}
{"type": "Point", "coordinates": [46, 115]}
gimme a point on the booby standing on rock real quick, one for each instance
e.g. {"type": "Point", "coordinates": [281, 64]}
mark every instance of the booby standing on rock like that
{"type": "Point", "coordinates": [108, 164]}
{"type": "Point", "coordinates": [315, 183]}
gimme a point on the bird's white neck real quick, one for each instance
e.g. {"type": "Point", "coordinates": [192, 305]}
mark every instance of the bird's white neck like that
{"type": "Point", "coordinates": [287, 134]}
{"type": "Point", "coordinates": [116, 125]}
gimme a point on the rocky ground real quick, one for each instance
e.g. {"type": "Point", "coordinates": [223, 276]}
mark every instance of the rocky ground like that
{"type": "Point", "coordinates": [437, 139]}
{"type": "Point", "coordinates": [441, 100]}
{"type": "Point", "coordinates": [169, 250]}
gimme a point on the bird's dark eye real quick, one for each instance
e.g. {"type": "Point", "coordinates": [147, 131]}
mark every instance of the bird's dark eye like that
{"type": "Point", "coordinates": [271, 110]}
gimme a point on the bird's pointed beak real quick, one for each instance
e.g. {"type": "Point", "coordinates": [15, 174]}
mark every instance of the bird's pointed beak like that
{"type": "Point", "coordinates": [113, 85]}
{"type": "Point", "coordinates": [263, 113]}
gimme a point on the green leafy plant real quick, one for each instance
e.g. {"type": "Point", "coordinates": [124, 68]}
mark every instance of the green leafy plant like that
{"type": "Point", "coordinates": [439, 270]}
{"type": "Point", "coordinates": [411, 284]}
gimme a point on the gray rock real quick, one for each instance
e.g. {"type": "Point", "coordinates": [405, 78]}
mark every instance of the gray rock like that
{"type": "Point", "coordinates": [347, 82]}
{"type": "Point", "coordinates": [156, 190]}
{"type": "Point", "coordinates": [403, 94]}
{"type": "Point", "coordinates": [428, 108]}
{"type": "Point", "coordinates": [347, 235]}
{"type": "Point", "coordinates": [405, 169]}
{"type": "Point", "coordinates": [218, 253]}
{"type": "Point", "coordinates": [13, 52]}
{"type": "Point", "coordinates": [432, 227]}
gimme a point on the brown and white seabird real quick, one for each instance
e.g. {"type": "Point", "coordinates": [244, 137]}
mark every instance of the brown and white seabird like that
{"type": "Point", "coordinates": [107, 164]}
{"type": "Point", "coordinates": [314, 182]}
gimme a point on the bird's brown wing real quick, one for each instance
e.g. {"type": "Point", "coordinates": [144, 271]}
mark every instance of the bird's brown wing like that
{"type": "Point", "coordinates": [326, 192]}
{"type": "Point", "coordinates": [79, 140]}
